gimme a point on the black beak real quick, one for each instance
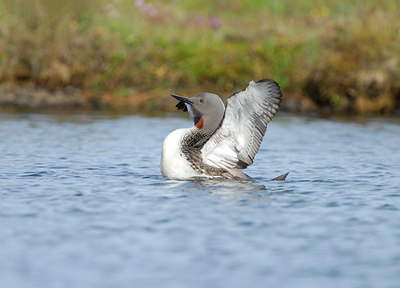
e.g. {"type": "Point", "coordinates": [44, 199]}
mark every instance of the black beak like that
{"type": "Point", "coordinates": [182, 101]}
{"type": "Point", "coordinates": [181, 98]}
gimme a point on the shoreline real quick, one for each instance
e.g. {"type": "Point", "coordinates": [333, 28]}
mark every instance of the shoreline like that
{"type": "Point", "coordinates": [326, 62]}
{"type": "Point", "coordinates": [27, 97]}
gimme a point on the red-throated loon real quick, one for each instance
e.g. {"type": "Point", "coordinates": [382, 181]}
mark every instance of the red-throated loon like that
{"type": "Point", "coordinates": [222, 141]}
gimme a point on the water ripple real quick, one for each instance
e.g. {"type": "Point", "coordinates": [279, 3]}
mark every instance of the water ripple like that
{"type": "Point", "coordinates": [82, 192]}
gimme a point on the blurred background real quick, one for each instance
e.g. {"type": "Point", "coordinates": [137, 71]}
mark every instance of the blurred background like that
{"type": "Point", "coordinates": [330, 57]}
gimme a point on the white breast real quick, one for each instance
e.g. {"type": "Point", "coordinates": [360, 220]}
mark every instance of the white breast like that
{"type": "Point", "coordinates": [173, 163]}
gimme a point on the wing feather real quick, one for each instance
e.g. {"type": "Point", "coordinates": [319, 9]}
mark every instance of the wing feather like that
{"type": "Point", "coordinates": [237, 140]}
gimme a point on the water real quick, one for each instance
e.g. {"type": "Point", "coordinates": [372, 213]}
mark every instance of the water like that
{"type": "Point", "coordinates": [83, 204]}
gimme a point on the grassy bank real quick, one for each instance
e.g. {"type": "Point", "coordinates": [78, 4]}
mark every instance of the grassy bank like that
{"type": "Point", "coordinates": [337, 57]}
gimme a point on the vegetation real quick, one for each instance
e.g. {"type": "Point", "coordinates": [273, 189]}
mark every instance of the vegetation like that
{"type": "Point", "coordinates": [335, 56]}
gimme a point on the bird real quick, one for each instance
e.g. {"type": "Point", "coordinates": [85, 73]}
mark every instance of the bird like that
{"type": "Point", "coordinates": [223, 141]}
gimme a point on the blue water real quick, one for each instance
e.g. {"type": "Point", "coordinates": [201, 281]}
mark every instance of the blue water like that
{"type": "Point", "coordinates": [83, 204]}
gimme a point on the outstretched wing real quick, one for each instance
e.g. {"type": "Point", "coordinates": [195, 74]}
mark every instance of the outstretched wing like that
{"type": "Point", "coordinates": [237, 140]}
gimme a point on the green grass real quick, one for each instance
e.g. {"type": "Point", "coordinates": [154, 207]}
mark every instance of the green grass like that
{"type": "Point", "coordinates": [341, 56]}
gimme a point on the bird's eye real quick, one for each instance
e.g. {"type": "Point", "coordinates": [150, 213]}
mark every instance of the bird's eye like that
{"type": "Point", "coordinates": [201, 100]}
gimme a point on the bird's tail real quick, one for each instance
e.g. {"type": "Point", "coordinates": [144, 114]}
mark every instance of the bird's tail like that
{"type": "Point", "coordinates": [281, 177]}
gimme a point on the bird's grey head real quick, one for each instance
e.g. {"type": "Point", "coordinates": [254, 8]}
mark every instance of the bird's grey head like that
{"type": "Point", "coordinates": [205, 109]}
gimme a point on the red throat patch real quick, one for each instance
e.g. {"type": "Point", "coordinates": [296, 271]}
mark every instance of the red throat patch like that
{"type": "Point", "coordinates": [200, 124]}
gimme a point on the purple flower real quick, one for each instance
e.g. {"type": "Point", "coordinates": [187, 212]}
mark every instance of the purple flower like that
{"type": "Point", "coordinates": [215, 23]}
{"type": "Point", "coordinates": [139, 3]}
{"type": "Point", "coordinates": [147, 8]}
